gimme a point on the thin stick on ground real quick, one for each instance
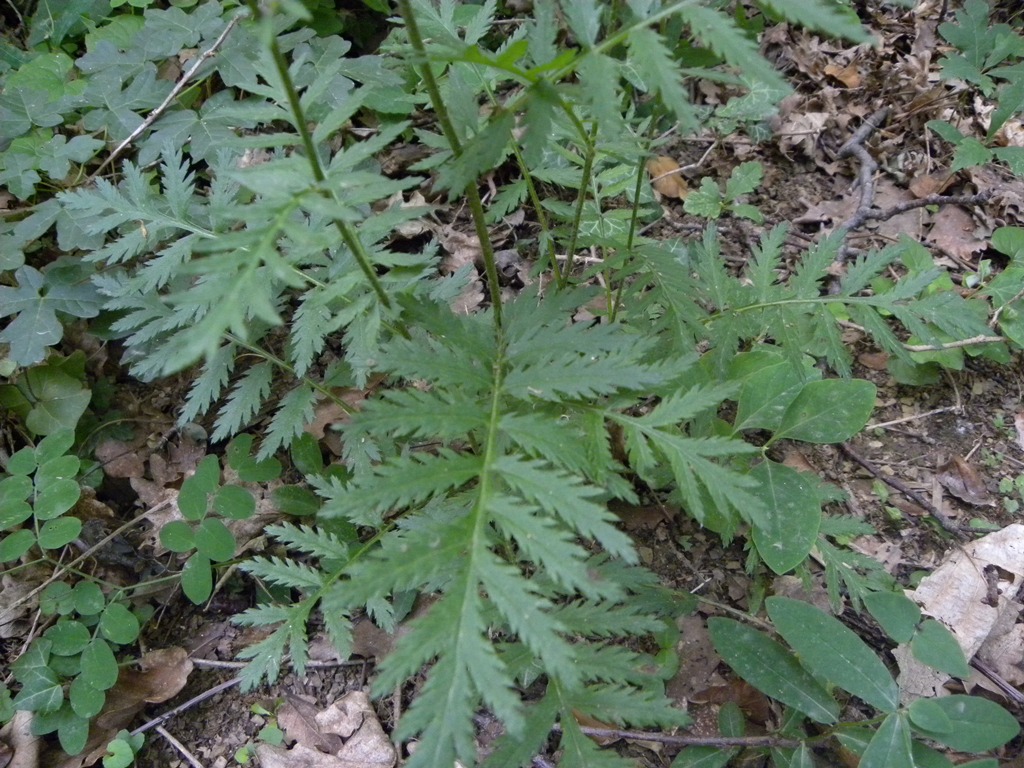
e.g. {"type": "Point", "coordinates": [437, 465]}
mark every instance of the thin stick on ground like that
{"type": "Point", "coordinates": [689, 741]}
{"type": "Point", "coordinates": [175, 91]}
{"type": "Point", "coordinates": [182, 750]}
{"type": "Point", "coordinates": [911, 494]}
{"type": "Point", "coordinates": [198, 699]}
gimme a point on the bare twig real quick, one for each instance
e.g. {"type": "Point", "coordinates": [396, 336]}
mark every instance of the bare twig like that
{"type": "Point", "coordinates": [175, 91]}
{"type": "Point", "coordinates": [900, 486]}
{"type": "Point", "coordinates": [917, 417]}
{"type": "Point", "coordinates": [688, 741]}
{"type": "Point", "coordinates": [909, 205]}
{"type": "Point", "coordinates": [953, 344]}
{"type": "Point", "coordinates": [182, 750]}
{"type": "Point", "coordinates": [208, 694]}
{"type": "Point", "coordinates": [855, 148]}
{"type": "Point", "coordinates": [999, 310]}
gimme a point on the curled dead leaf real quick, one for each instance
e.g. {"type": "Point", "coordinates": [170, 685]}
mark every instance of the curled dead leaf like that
{"type": "Point", "coordinates": [848, 75]}
{"type": "Point", "coordinates": [666, 177]}
{"type": "Point", "coordinates": [963, 481]}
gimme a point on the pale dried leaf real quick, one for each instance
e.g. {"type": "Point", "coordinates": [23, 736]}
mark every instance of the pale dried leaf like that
{"type": "Point", "coordinates": [666, 177]}
{"type": "Point", "coordinates": [963, 481]}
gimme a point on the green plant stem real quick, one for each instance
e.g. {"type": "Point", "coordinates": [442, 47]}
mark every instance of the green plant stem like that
{"type": "Point", "coordinates": [581, 199]}
{"type": "Point", "coordinates": [275, 360]}
{"type": "Point", "coordinates": [476, 206]}
{"type": "Point", "coordinates": [613, 306]}
{"type": "Point", "coordinates": [348, 234]}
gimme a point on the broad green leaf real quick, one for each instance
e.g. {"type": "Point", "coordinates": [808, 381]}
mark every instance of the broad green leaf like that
{"type": "Point", "coordinates": [897, 614]}
{"type": "Point", "coordinates": [296, 500]}
{"type": "Point", "coordinates": [99, 666]}
{"type": "Point", "coordinates": [86, 700]}
{"type": "Point", "coordinates": [834, 652]}
{"type": "Point", "coordinates": [744, 179]}
{"type": "Point", "coordinates": [67, 637]}
{"type": "Point", "coordinates": [234, 502]}
{"type": "Point", "coordinates": [890, 746]}
{"type": "Point", "coordinates": [705, 201]}
{"type": "Point", "coordinates": [828, 411]}
{"type": "Point", "coordinates": [787, 531]}
{"type": "Point", "coordinates": [306, 455]}
{"type": "Point", "coordinates": [937, 647]}
{"type": "Point", "coordinates": [14, 545]}
{"type": "Point", "coordinates": [772, 669]}
{"type": "Point", "coordinates": [118, 624]}
{"type": "Point", "coordinates": [88, 598]}
{"type": "Point", "coordinates": [929, 716]}
{"type": "Point", "coordinates": [178, 536]}
{"type": "Point", "coordinates": [119, 754]}
{"type": "Point", "coordinates": [73, 731]}
{"type": "Point", "coordinates": [214, 540]}
{"type": "Point", "coordinates": [769, 385]}
{"type": "Point", "coordinates": [196, 579]}
{"type": "Point", "coordinates": [193, 499]}
{"type": "Point", "coordinates": [976, 724]}
{"type": "Point", "coordinates": [54, 534]}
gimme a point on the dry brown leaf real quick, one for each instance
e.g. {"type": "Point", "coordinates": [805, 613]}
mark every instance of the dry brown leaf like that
{"type": "Point", "coordinates": [931, 183]}
{"type": "Point", "coordinates": [848, 75]}
{"type": "Point", "coordinates": [161, 675]}
{"type": "Point", "coordinates": [666, 177]}
{"type": "Point", "coordinates": [363, 743]}
{"type": "Point", "coordinates": [1018, 422]}
{"type": "Point", "coordinates": [586, 721]}
{"type": "Point", "coordinates": [953, 232]}
{"type": "Point", "coordinates": [876, 361]}
{"type": "Point", "coordinates": [297, 718]}
{"type": "Point", "coordinates": [963, 481]}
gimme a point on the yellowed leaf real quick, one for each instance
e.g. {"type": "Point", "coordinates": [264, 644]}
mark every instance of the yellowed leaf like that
{"type": "Point", "coordinates": [666, 177]}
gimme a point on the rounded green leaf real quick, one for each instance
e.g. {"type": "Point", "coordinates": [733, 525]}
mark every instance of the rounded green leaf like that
{"type": "Point", "coordinates": [896, 613]}
{"type": "Point", "coordinates": [119, 625]}
{"type": "Point", "coordinates": [12, 489]}
{"type": "Point", "coordinates": [936, 646]}
{"type": "Point", "coordinates": [73, 732]}
{"type": "Point", "coordinates": [833, 652]}
{"type": "Point", "coordinates": [787, 531]}
{"type": "Point", "coordinates": [294, 500]}
{"type": "Point", "coordinates": [55, 498]}
{"type": "Point", "coordinates": [56, 598]}
{"type": "Point", "coordinates": [306, 455]}
{"type": "Point", "coordinates": [88, 598]}
{"type": "Point", "coordinates": [929, 716]}
{"type": "Point", "coordinates": [119, 755]}
{"type": "Point", "coordinates": [14, 545]}
{"type": "Point", "coordinates": [771, 668]}
{"type": "Point", "coordinates": [13, 512]}
{"type": "Point", "coordinates": [99, 667]}
{"type": "Point", "coordinates": [177, 536]}
{"type": "Point", "coordinates": [828, 411]}
{"type": "Point", "coordinates": [193, 498]}
{"type": "Point", "coordinates": [86, 701]}
{"type": "Point", "coordinates": [54, 534]}
{"type": "Point", "coordinates": [214, 540]}
{"type": "Point", "coordinates": [196, 579]}
{"type": "Point", "coordinates": [68, 637]}
{"type": "Point", "coordinates": [976, 724]}
{"type": "Point", "coordinates": [53, 446]}
{"type": "Point", "coordinates": [234, 502]}
{"type": "Point", "coordinates": [22, 462]}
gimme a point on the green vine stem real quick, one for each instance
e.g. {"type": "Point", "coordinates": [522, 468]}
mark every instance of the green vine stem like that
{"type": "Point", "coordinates": [581, 199]}
{"type": "Point", "coordinates": [348, 234]}
{"type": "Point", "coordinates": [476, 205]}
